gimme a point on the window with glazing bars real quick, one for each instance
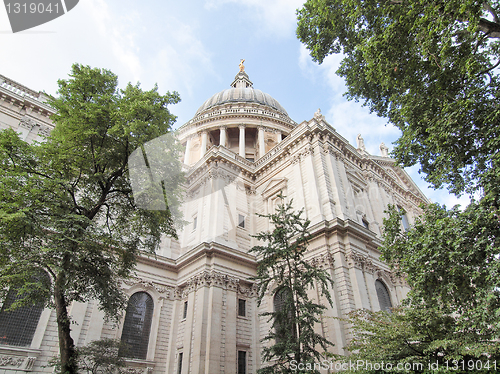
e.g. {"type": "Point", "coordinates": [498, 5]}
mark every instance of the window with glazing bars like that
{"type": "Point", "coordinates": [137, 326]}
{"type": "Point", "coordinates": [18, 326]}
{"type": "Point", "coordinates": [383, 295]}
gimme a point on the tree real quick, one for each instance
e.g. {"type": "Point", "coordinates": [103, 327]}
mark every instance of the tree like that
{"type": "Point", "coordinates": [416, 340]}
{"type": "Point", "coordinates": [430, 67]}
{"type": "Point", "coordinates": [450, 261]}
{"type": "Point", "coordinates": [66, 205]}
{"type": "Point", "coordinates": [283, 271]}
{"type": "Point", "coordinates": [98, 357]}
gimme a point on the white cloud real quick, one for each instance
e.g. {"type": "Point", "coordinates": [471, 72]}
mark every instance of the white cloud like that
{"type": "Point", "coordinates": [120, 31]}
{"type": "Point", "coordinates": [276, 16]}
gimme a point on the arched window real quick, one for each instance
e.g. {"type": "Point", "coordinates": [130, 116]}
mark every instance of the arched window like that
{"type": "Point", "coordinates": [137, 325]}
{"type": "Point", "coordinates": [18, 326]}
{"type": "Point", "coordinates": [383, 295]}
{"type": "Point", "coordinates": [283, 322]}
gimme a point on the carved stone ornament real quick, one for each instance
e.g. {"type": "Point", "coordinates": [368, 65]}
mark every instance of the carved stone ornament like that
{"type": "Point", "coordinates": [44, 131]}
{"type": "Point", "coordinates": [147, 370]}
{"type": "Point", "coordinates": [318, 116]}
{"type": "Point", "coordinates": [12, 361]}
{"type": "Point", "coordinates": [27, 123]}
{"type": "Point", "coordinates": [164, 291]}
{"type": "Point", "coordinates": [210, 279]}
{"type": "Point", "coordinates": [355, 260]}
{"type": "Point", "coordinates": [324, 260]}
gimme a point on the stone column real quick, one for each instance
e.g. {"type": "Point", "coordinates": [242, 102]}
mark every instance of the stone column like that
{"type": "Point", "coordinates": [222, 140]}
{"type": "Point", "coordinates": [188, 149]}
{"type": "Point", "coordinates": [262, 145]}
{"type": "Point", "coordinates": [242, 141]}
{"type": "Point", "coordinates": [278, 136]}
{"type": "Point", "coordinates": [204, 138]}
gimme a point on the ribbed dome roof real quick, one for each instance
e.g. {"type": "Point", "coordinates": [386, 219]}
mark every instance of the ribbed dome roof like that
{"type": "Point", "coordinates": [238, 95]}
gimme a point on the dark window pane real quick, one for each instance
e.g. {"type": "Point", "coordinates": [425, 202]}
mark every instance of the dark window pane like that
{"type": "Point", "coordinates": [18, 326]}
{"type": "Point", "coordinates": [242, 362]}
{"type": "Point", "coordinates": [284, 325]}
{"type": "Point", "coordinates": [185, 311]}
{"type": "Point", "coordinates": [242, 306]}
{"type": "Point", "coordinates": [241, 220]}
{"type": "Point", "coordinates": [179, 365]}
{"type": "Point", "coordinates": [384, 298]}
{"type": "Point", "coordinates": [137, 325]}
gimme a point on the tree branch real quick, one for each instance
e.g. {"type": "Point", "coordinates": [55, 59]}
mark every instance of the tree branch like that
{"type": "Point", "coordinates": [492, 29]}
{"type": "Point", "coordinates": [490, 10]}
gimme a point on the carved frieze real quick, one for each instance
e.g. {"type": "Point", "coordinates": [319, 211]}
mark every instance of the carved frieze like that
{"type": "Point", "coordinates": [44, 131]}
{"type": "Point", "coordinates": [27, 123]}
{"type": "Point", "coordinates": [11, 361]}
{"type": "Point", "coordinates": [17, 362]}
{"type": "Point", "coordinates": [164, 291]}
{"type": "Point", "coordinates": [356, 260]}
{"type": "Point", "coordinates": [211, 279]}
{"type": "Point", "coordinates": [324, 260]}
{"type": "Point", "coordinates": [147, 370]}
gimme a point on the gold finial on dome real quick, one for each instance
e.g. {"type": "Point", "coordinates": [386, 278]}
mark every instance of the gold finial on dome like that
{"type": "Point", "coordinates": [242, 67]}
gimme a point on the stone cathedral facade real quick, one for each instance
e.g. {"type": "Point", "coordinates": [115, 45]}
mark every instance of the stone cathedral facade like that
{"type": "Point", "coordinates": [192, 308]}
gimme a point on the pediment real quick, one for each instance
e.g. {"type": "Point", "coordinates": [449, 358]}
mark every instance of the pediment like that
{"type": "Point", "coordinates": [356, 177]}
{"type": "Point", "coordinates": [274, 186]}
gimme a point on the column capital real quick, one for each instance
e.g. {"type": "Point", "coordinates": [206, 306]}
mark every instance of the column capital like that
{"type": "Point", "coordinates": [242, 126]}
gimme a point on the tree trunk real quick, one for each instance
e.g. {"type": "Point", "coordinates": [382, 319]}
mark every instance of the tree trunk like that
{"type": "Point", "coordinates": [66, 344]}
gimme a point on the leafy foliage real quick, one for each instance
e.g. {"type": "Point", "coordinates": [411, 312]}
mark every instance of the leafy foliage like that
{"type": "Point", "coordinates": [430, 67]}
{"type": "Point", "coordinates": [416, 340]}
{"type": "Point", "coordinates": [98, 357]}
{"type": "Point", "coordinates": [66, 205]}
{"type": "Point", "coordinates": [283, 271]}
{"type": "Point", "coordinates": [450, 259]}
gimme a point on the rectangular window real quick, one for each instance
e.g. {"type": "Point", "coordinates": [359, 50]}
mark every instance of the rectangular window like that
{"type": "Point", "coordinates": [179, 364]}
{"type": "Point", "coordinates": [242, 307]}
{"type": "Point", "coordinates": [241, 220]}
{"type": "Point", "coordinates": [404, 219]}
{"type": "Point", "coordinates": [365, 223]}
{"type": "Point", "coordinates": [242, 362]}
{"type": "Point", "coordinates": [185, 312]}
{"type": "Point", "coordinates": [195, 222]}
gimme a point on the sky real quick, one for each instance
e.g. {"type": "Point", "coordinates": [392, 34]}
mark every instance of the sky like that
{"type": "Point", "coordinates": [194, 47]}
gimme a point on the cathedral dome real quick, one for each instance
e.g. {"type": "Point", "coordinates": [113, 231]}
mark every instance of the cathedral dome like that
{"type": "Point", "coordinates": [239, 95]}
{"type": "Point", "coordinates": [241, 91]}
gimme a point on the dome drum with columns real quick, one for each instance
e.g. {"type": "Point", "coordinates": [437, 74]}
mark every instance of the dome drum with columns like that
{"type": "Point", "coordinates": [242, 119]}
